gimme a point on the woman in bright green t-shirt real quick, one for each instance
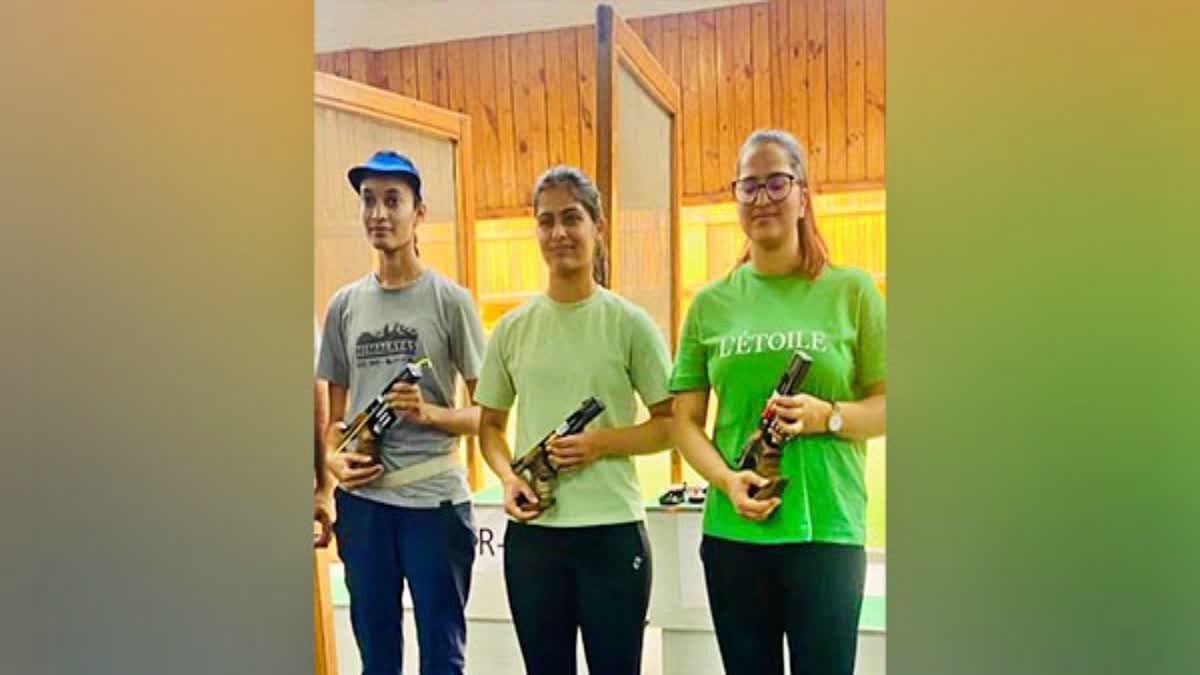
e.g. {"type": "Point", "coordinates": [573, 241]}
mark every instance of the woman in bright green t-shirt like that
{"type": "Point", "coordinates": [792, 565]}
{"type": "Point", "coordinates": [583, 564]}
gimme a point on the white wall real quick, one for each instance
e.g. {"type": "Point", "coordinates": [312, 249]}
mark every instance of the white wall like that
{"type": "Point", "coordinates": [381, 24]}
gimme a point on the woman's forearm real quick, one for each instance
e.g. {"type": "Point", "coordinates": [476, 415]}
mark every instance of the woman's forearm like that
{"type": "Point", "coordinates": [457, 421]}
{"type": "Point", "coordinates": [653, 435]}
{"type": "Point", "coordinates": [335, 408]}
{"type": "Point", "coordinates": [320, 417]}
{"type": "Point", "coordinates": [494, 448]}
{"type": "Point", "coordinates": [864, 419]}
{"type": "Point", "coordinates": [700, 453]}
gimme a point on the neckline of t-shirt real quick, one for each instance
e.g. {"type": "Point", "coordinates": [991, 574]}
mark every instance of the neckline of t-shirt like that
{"type": "Point", "coordinates": [596, 290]}
{"type": "Point", "coordinates": [748, 268]}
{"type": "Point", "coordinates": [419, 281]}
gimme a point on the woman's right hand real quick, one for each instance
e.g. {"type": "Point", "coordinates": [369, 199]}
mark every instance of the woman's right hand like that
{"type": "Point", "coordinates": [324, 513]}
{"type": "Point", "coordinates": [352, 469]}
{"type": "Point", "coordinates": [515, 486]}
{"type": "Point", "coordinates": [737, 487]}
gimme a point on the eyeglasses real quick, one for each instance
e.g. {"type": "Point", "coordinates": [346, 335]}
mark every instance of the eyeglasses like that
{"type": "Point", "coordinates": [778, 186]}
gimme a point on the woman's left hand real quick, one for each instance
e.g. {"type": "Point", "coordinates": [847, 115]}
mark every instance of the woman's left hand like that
{"type": "Point", "coordinates": [800, 414]}
{"type": "Point", "coordinates": [323, 513]}
{"type": "Point", "coordinates": [577, 451]}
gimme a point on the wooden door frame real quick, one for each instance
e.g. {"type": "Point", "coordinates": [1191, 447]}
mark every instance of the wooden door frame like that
{"type": "Point", "coordinates": [324, 632]}
{"type": "Point", "coordinates": [617, 46]}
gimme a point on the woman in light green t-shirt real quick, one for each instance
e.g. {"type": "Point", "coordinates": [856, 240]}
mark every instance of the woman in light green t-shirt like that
{"type": "Point", "coordinates": [583, 563]}
{"type": "Point", "coordinates": [794, 564]}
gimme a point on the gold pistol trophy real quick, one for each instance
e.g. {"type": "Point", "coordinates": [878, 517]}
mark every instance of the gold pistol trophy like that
{"type": "Point", "coordinates": [535, 466]}
{"type": "Point", "coordinates": [764, 449]}
{"type": "Point", "coordinates": [378, 417]}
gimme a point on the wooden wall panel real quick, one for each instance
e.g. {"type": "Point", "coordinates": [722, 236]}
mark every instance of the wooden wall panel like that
{"type": "Point", "coordinates": [377, 75]}
{"type": "Point", "coordinates": [671, 46]}
{"type": "Point", "coordinates": [689, 80]}
{"type": "Point", "coordinates": [358, 64]}
{"type": "Point", "coordinates": [555, 93]}
{"type": "Point", "coordinates": [324, 62]}
{"type": "Point", "coordinates": [404, 80]}
{"type": "Point", "coordinates": [456, 76]}
{"type": "Point", "coordinates": [835, 66]}
{"type": "Point", "coordinates": [727, 133]}
{"type": "Point", "coordinates": [795, 78]}
{"type": "Point", "coordinates": [569, 86]}
{"type": "Point", "coordinates": [875, 90]}
{"type": "Point", "coordinates": [709, 105]}
{"type": "Point", "coordinates": [525, 107]}
{"type": "Point", "coordinates": [813, 67]}
{"type": "Point", "coordinates": [818, 101]}
{"type": "Point", "coordinates": [535, 74]}
{"type": "Point", "coordinates": [505, 96]}
{"type": "Point", "coordinates": [341, 64]}
{"type": "Point", "coordinates": [743, 78]}
{"type": "Point", "coordinates": [483, 107]}
{"type": "Point", "coordinates": [760, 62]}
{"type": "Point", "coordinates": [585, 40]}
{"type": "Point", "coordinates": [425, 73]}
{"type": "Point", "coordinates": [393, 69]}
{"type": "Point", "coordinates": [856, 89]}
{"type": "Point", "coordinates": [441, 87]}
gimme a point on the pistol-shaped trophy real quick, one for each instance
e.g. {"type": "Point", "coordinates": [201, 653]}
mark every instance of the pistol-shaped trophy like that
{"type": "Point", "coordinates": [378, 417]}
{"type": "Point", "coordinates": [535, 466]}
{"type": "Point", "coordinates": [763, 450]}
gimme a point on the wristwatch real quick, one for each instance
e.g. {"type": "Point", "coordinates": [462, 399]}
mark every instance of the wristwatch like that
{"type": "Point", "coordinates": [835, 419]}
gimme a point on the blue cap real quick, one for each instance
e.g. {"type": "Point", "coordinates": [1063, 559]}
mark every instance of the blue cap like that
{"type": "Point", "coordinates": [387, 163]}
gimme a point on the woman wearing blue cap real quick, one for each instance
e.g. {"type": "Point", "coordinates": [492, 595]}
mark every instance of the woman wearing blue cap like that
{"type": "Point", "coordinates": [404, 511]}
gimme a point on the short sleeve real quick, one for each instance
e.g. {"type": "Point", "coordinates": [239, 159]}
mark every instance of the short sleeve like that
{"type": "Point", "coordinates": [333, 364]}
{"type": "Point", "coordinates": [495, 387]}
{"type": "Point", "coordinates": [691, 359]}
{"type": "Point", "coordinates": [466, 336]}
{"type": "Point", "coordinates": [649, 360]}
{"type": "Point", "coordinates": [872, 338]}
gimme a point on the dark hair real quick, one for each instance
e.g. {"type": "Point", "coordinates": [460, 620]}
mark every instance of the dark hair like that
{"type": "Point", "coordinates": [584, 191]}
{"type": "Point", "coordinates": [814, 255]}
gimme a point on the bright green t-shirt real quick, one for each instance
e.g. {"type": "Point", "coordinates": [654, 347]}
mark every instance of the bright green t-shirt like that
{"type": "Point", "coordinates": [738, 337]}
{"type": "Point", "coordinates": [552, 356]}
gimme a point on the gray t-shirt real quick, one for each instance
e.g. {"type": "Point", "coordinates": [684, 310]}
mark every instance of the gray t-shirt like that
{"type": "Point", "coordinates": [370, 334]}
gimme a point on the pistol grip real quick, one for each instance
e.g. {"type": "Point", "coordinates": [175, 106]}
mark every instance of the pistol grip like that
{"type": "Point", "coordinates": [773, 488]}
{"type": "Point", "coordinates": [748, 458]}
{"type": "Point", "coordinates": [543, 504]}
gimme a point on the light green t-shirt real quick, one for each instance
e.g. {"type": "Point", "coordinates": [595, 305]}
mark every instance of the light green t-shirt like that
{"type": "Point", "coordinates": [738, 337]}
{"type": "Point", "coordinates": [552, 356]}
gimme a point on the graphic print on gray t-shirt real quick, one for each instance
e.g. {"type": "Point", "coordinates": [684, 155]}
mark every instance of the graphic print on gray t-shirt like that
{"type": "Point", "coordinates": [371, 332]}
{"type": "Point", "coordinates": [395, 343]}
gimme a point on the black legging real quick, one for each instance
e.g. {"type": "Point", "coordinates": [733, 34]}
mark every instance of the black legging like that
{"type": "Point", "coordinates": [810, 592]}
{"type": "Point", "coordinates": [564, 579]}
